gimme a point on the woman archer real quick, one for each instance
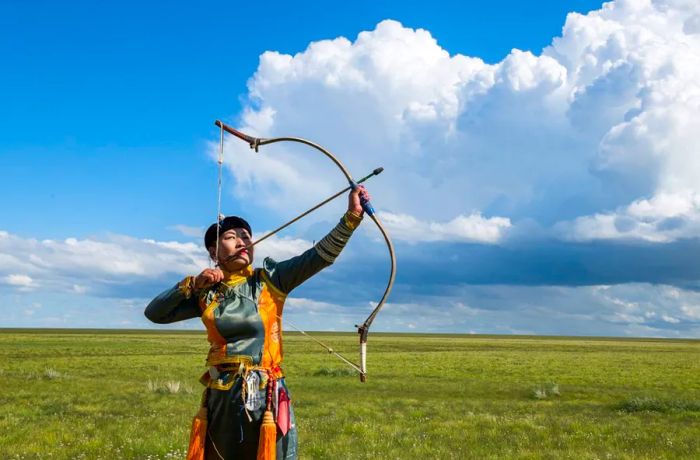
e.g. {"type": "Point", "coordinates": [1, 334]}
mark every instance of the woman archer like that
{"type": "Point", "coordinates": [241, 308]}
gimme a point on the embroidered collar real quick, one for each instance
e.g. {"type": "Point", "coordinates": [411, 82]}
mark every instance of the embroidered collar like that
{"type": "Point", "coordinates": [237, 277]}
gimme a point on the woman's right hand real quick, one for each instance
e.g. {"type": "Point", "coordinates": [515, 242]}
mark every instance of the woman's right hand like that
{"type": "Point", "coordinates": [208, 277]}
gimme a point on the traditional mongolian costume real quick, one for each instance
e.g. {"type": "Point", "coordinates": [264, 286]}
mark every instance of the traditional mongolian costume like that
{"type": "Point", "coordinates": [246, 399]}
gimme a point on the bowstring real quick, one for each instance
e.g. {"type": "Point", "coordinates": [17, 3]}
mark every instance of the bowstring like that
{"type": "Point", "coordinates": [218, 191]}
{"type": "Point", "coordinates": [328, 349]}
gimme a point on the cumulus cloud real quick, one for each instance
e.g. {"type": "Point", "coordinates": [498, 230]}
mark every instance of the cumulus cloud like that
{"type": "Point", "coordinates": [605, 117]}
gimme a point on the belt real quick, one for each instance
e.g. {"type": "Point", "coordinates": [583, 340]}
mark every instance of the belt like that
{"type": "Point", "coordinates": [223, 376]}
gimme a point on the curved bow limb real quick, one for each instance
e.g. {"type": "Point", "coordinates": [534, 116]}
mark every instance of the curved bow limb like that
{"type": "Point", "coordinates": [256, 142]}
{"type": "Point", "coordinates": [363, 329]}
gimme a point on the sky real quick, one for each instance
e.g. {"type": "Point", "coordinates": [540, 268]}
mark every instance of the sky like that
{"type": "Point", "coordinates": [541, 173]}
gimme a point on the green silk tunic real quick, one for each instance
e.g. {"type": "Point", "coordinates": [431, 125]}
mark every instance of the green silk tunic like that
{"type": "Point", "coordinates": [243, 319]}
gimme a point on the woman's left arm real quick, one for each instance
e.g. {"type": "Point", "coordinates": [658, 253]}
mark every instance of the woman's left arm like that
{"type": "Point", "coordinates": [176, 304]}
{"type": "Point", "coordinates": [289, 274]}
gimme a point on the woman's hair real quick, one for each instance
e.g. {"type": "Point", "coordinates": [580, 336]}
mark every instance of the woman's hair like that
{"type": "Point", "coordinates": [226, 224]}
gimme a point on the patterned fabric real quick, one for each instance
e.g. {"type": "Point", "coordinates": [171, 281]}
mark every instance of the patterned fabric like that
{"type": "Point", "coordinates": [330, 246]}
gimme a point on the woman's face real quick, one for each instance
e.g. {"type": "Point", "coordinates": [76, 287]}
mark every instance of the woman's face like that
{"type": "Point", "coordinates": [231, 242]}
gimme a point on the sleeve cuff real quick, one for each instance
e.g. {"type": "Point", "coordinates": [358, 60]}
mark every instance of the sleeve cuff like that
{"type": "Point", "coordinates": [186, 287]}
{"type": "Point", "coordinates": [352, 220]}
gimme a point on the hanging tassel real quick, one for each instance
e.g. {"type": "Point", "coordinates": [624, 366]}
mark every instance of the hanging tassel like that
{"type": "Point", "coordinates": [198, 435]}
{"type": "Point", "coordinates": [267, 446]}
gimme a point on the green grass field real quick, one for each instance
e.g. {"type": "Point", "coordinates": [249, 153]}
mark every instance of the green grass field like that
{"type": "Point", "coordinates": [131, 394]}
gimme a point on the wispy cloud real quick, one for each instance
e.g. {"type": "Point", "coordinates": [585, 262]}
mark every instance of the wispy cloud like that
{"type": "Point", "coordinates": [23, 282]}
{"type": "Point", "coordinates": [109, 258]}
{"type": "Point", "coordinates": [473, 228]}
{"type": "Point", "coordinates": [100, 263]}
{"type": "Point", "coordinates": [187, 230]}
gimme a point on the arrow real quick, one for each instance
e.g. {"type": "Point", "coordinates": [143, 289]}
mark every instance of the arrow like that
{"type": "Point", "coordinates": [376, 172]}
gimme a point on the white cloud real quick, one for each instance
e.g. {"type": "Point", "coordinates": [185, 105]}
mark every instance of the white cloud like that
{"type": "Point", "coordinates": [313, 315]}
{"type": "Point", "coordinates": [634, 309]}
{"type": "Point", "coordinates": [349, 81]}
{"type": "Point", "coordinates": [628, 309]}
{"type": "Point", "coordinates": [663, 218]}
{"type": "Point", "coordinates": [691, 311]}
{"type": "Point", "coordinates": [310, 306]}
{"type": "Point", "coordinates": [605, 118]}
{"type": "Point", "coordinates": [280, 248]}
{"type": "Point", "coordinates": [72, 264]}
{"type": "Point", "coordinates": [79, 266]}
{"type": "Point", "coordinates": [670, 319]}
{"type": "Point", "coordinates": [24, 282]}
{"type": "Point", "coordinates": [462, 228]}
{"type": "Point", "coordinates": [640, 303]}
{"type": "Point", "coordinates": [186, 230]}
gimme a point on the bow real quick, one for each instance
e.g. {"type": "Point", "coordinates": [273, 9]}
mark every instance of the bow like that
{"type": "Point", "coordinates": [362, 329]}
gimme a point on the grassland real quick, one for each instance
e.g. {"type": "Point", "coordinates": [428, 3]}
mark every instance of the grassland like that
{"type": "Point", "coordinates": [131, 394]}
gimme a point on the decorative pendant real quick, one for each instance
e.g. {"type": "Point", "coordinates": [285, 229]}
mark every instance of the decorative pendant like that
{"type": "Point", "coordinates": [254, 398]}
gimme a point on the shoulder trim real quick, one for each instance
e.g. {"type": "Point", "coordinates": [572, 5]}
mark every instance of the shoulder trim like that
{"type": "Point", "coordinates": [268, 282]}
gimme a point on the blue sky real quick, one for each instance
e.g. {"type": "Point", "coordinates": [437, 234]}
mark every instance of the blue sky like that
{"type": "Point", "coordinates": [103, 102]}
{"type": "Point", "coordinates": [538, 175]}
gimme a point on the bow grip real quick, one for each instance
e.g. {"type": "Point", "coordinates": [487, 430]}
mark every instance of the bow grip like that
{"type": "Point", "coordinates": [364, 202]}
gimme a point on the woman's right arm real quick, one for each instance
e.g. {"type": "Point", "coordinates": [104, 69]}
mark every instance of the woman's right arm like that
{"type": "Point", "coordinates": [176, 304]}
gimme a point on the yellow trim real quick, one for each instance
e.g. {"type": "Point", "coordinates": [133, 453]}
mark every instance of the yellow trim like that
{"type": "Point", "coordinates": [272, 286]}
{"type": "Point", "coordinates": [208, 319]}
{"type": "Point", "coordinates": [236, 359]}
{"type": "Point", "coordinates": [236, 278]}
{"type": "Point", "coordinates": [215, 386]}
{"type": "Point", "coordinates": [212, 305]}
{"type": "Point", "coordinates": [213, 334]}
{"type": "Point", "coordinates": [276, 372]}
{"type": "Point", "coordinates": [270, 310]}
{"type": "Point", "coordinates": [352, 219]}
{"type": "Point", "coordinates": [186, 286]}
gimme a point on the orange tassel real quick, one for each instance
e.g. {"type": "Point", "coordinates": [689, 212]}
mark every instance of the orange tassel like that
{"type": "Point", "coordinates": [198, 436]}
{"type": "Point", "coordinates": [267, 447]}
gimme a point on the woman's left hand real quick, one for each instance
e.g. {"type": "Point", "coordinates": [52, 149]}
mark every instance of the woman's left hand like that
{"type": "Point", "coordinates": [354, 204]}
